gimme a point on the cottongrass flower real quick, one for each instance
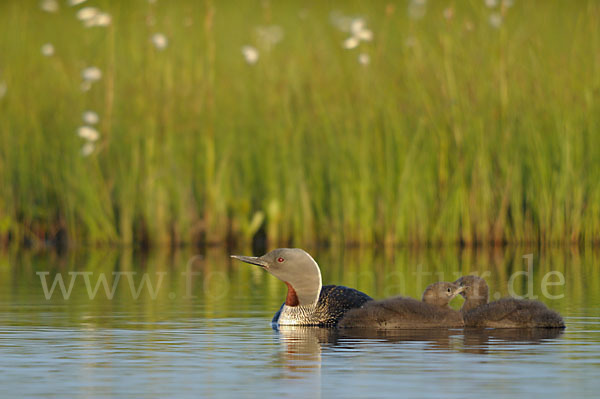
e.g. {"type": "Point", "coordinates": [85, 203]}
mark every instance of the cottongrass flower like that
{"type": "Point", "coordinates": [102, 19]}
{"type": "Point", "coordinates": [250, 54]}
{"type": "Point", "coordinates": [417, 9]}
{"type": "Point", "coordinates": [364, 59]}
{"type": "Point", "coordinates": [87, 149]}
{"type": "Point", "coordinates": [269, 36]}
{"type": "Point", "coordinates": [448, 13]}
{"type": "Point", "coordinates": [90, 117]}
{"type": "Point", "coordinates": [91, 16]}
{"type": "Point", "coordinates": [491, 3]}
{"type": "Point", "coordinates": [74, 3]}
{"type": "Point", "coordinates": [88, 133]}
{"type": "Point", "coordinates": [340, 21]}
{"type": "Point", "coordinates": [49, 5]}
{"type": "Point", "coordinates": [351, 42]}
{"type": "Point", "coordinates": [91, 74]}
{"type": "Point", "coordinates": [47, 50]}
{"type": "Point", "coordinates": [359, 32]}
{"type": "Point", "coordinates": [495, 20]}
{"type": "Point", "coordinates": [160, 41]}
{"type": "Point", "coordinates": [87, 13]}
{"type": "Point", "coordinates": [3, 89]}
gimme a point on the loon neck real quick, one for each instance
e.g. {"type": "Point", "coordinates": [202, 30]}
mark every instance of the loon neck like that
{"type": "Point", "coordinates": [292, 298]}
{"type": "Point", "coordinates": [472, 303]}
{"type": "Point", "coordinates": [305, 296]}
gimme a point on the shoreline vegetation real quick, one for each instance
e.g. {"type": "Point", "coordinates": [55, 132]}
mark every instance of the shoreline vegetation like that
{"type": "Point", "coordinates": [392, 123]}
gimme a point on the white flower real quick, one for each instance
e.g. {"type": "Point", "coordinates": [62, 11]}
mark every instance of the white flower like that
{"type": "Point", "coordinates": [417, 9]}
{"type": "Point", "coordinates": [359, 32]}
{"type": "Point", "coordinates": [73, 3]}
{"type": "Point", "coordinates": [87, 149]}
{"type": "Point", "coordinates": [159, 40]}
{"type": "Point", "coordinates": [3, 89]}
{"type": "Point", "coordinates": [250, 54]}
{"type": "Point", "coordinates": [351, 42]}
{"type": "Point", "coordinates": [448, 13]}
{"type": "Point", "coordinates": [91, 16]}
{"type": "Point", "coordinates": [88, 133]}
{"type": "Point", "coordinates": [341, 21]}
{"type": "Point", "coordinates": [91, 74]}
{"type": "Point", "coordinates": [90, 117]}
{"type": "Point", "coordinates": [49, 5]}
{"type": "Point", "coordinates": [48, 50]}
{"type": "Point", "coordinates": [491, 3]}
{"type": "Point", "coordinates": [101, 19]}
{"type": "Point", "coordinates": [268, 36]}
{"type": "Point", "coordinates": [357, 25]}
{"type": "Point", "coordinates": [495, 19]}
{"type": "Point", "coordinates": [87, 13]}
{"type": "Point", "coordinates": [365, 34]}
{"type": "Point", "coordinates": [364, 59]}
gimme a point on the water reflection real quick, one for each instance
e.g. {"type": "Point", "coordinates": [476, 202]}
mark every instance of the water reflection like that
{"type": "Point", "coordinates": [305, 345]}
{"type": "Point", "coordinates": [196, 332]}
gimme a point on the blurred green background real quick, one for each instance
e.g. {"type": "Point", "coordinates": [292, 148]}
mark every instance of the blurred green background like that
{"type": "Point", "coordinates": [344, 122]}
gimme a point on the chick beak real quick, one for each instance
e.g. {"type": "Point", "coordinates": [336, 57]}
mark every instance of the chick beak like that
{"type": "Point", "coordinates": [459, 290]}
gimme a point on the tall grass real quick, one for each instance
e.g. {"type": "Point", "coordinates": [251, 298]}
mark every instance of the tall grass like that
{"type": "Point", "coordinates": [457, 131]}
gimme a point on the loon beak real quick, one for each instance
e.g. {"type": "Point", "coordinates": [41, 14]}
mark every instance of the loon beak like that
{"type": "Point", "coordinates": [253, 260]}
{"type": "Point", "coordinates": [458, 291]}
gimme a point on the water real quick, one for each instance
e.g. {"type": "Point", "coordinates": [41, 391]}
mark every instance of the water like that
{"type": "Point", "coordinates": [208, 333]}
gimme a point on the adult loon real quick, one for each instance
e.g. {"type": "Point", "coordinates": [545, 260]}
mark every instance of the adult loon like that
{"type": "Point", "coordinates": [308, 302]}
{"type": "Point", "coordinates": [408, 313]}
{"type": "Point", "coordinates": [505, 312]}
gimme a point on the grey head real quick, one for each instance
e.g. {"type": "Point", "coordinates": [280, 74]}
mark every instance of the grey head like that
{"type": "Point", "coordinates": [296, 268]}
{"type": "Point", "coordinates": [440, 294]}
{"type": "Point", "coordinates": [476, 291]}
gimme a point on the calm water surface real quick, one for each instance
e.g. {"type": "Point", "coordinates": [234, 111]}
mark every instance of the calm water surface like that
{"type": "Point", "coordinates": [203, 329]}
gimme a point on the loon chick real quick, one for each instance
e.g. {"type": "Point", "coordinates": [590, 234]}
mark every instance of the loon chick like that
{"type": "Point", "coordinates": [505, 312]}
{"type": "Point", "coordinates": [307, 303]}
{"type": "Point", "coordinates": [408, 313]}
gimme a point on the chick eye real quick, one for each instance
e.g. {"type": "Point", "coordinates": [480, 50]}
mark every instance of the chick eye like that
{"type": "Point", "coordinates": [280, 260]}
{"type": "Point", "coordinates": [449, 290]}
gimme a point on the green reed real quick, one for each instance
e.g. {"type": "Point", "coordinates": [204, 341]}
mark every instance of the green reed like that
{"type": "Point", "coordinates": [455, 131]}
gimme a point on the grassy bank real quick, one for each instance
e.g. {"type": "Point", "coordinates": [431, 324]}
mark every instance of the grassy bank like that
{"type": "Point", "coordinates": [460, 123]}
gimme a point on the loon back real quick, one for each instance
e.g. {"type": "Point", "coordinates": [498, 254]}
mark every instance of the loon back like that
{"type": "Point", "coordinates": [513, 313]}
{"type": "Point", "coordinates": [334, 301]}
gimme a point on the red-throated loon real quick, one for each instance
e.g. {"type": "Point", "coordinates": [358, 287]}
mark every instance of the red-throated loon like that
{"type": "Point", "coordinates": [505, 312]}
{"type": "Point", "coordinates": [307, 303]}
{"type": "Point", "coordinates": [408, 313]}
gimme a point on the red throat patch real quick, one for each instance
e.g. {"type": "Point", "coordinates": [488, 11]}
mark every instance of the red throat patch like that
{"type": "Point", "coordinates": [292, 298]}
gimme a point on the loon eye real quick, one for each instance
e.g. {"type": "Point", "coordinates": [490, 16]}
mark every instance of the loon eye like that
{"type": "Point", "coordinates": [449, 290]}
{"type": "Point", "coordinates": [280, 260]}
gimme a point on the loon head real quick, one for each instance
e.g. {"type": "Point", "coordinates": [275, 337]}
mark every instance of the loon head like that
{"type": "Point", "coordinates": [296, 268]}
{"type": "Point", "coordinates": [440, 294]}
{"type": "Point", "coordinates": [475, 291]}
